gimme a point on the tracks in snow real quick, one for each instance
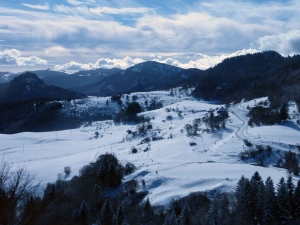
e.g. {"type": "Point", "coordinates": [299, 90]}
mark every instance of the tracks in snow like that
{"type": "Point", "coordinates": [241, 131]}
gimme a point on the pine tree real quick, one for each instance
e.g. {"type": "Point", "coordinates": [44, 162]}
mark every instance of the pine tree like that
{"type": "Point", "coordinates": [224, 214]}
{"type": "Point", "coordinates": [296, 202]}
{"type": "Point", "coordinates": [291, 190]}
{"type": "Point", "coordinates": [185, 215]}
{"type": "Point", "coordinates": [243, 195]}
{"type": "Point", "coordinates": [212, 214]}
{"type": "Point", "coordinates": [284, 211]}
{"type": "Point", "coordinates": [260, 202]}
{"type": "Point", "coordinates": [147, 206]}
{"type": "Point", "coordinates": [174, 206]}
{"type": "Point", "coordinates": [269, 202]}
{"type": "Point", "coordinates": [173, 219]}
{"type": "Point", "coordinates": [256, 197]}
{"type": "Point", "coordinates": [218, 213]}
{"type": "Point", "coordinates": [106, 214]}
{"type": "Point", "coordinates": [84, 214]}
{"type": "Point", "coordinates": [284, 112]}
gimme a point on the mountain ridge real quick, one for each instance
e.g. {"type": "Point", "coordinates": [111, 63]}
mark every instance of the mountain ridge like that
{"type": "Point", "coordinates": [144, 76]}
{"type": "Point", "coordinates": [28, 86]}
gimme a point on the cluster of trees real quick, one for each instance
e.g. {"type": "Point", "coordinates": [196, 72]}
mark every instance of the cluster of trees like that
{"type": "Point", "coordinates": [268, 115]}
{"type": "Point", "coordinates": [97, 196]}
{"type": "Point", "coordinates": [211, 121]}
{"type": "Point", "coordinates": [130, 114]}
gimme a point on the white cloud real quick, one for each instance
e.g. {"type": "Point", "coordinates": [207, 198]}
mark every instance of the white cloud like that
{"type": "Point", "coordinates": [203, 61]}
{"type": "Point", "coordinates": [100, 63]}
{"type": "Point", "coordinates": [286, 43]}
{"type": "Point", "coordinates": [14, 57]}
{"type": "Point", "coordinates": [41, 7]}
{"type": "Point", "coordinates": [109, 10]}
{"type": "Point", "coordinates": [81, 2]}
{"type": "Point", "coordinates": [200, 61]}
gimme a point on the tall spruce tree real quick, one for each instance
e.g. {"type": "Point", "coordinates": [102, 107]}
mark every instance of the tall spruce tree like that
{"type": "Point", "coordinates": [243, 198]}
{"type": "Point", "coordinates": [185, 215]}
{"type": "Point", "coordinates": [256, 197]}
{"type": "Point", "coordinates": [284, 210]}
{"type": "Point", "coordinates": [291, 190]}
{"type": "Point", "coordinates": [296, 201]}
{"type": "Point", "coordinates": [269, 207]}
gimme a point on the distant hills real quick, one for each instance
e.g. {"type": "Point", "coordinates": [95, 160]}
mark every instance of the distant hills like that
{"type": "Point", "coordinates": [28, 86]}
{"type": "Point", "coordinates": [79, 78]}
{"type": "Point", "coordinates": [147, 76]}
{"type": "Point", "coordinates": [63, 79]}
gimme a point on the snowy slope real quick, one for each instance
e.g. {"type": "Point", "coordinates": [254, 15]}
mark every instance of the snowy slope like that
{"type": "Point", "coordinates": [171, 167]}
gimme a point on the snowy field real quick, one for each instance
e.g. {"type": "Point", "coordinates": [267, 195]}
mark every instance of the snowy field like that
{"type": "Point", "coordinates": [170, 167]}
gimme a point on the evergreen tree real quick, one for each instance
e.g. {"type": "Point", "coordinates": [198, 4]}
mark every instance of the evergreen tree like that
{"type": "Point", "coordinates": [147, 206]}
{"type": "Point", "coordinates": [174, 206]}
{"type": "Point", "coordinates": [218, 213]}
{"type": "Point", "coordinates": [243, 197]}
{"type": "Point", "coordinates": [284, 211]}
{"type": "Point", "coordinates": [296, 201]}
{"type": "Point", "coordinates": [260, 202]}
{"type": "Point", "coordinates": [84, 214]}
{"type": "Point", "coordinates": [212, 214]}
{"type": "Point", "coordinates": [106, 214]}
{"type": "Point", "coordinates": [133, 109]}
{"type": "Point", "coordinates": [284, 112]}
{"type": "Point", "coordinates": [173, 219]}
{"type": "Point", "coordinates": [185, 215]}
{"type": "Point", "coordinates": [269, 206]}
{"type": "Point", "coordinates": [256, 197]}
{"type": "Point", "coordinates": [291, 190]}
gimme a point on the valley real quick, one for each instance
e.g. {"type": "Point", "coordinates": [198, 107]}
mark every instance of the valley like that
{"type": "Point", "coordinates": [173, 165]}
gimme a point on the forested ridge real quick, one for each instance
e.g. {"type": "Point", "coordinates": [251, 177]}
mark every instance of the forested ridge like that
{"type": "Point", "coordinates": [251, 76]}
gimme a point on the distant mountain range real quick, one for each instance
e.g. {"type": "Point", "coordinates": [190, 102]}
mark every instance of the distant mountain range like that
{"type": "Point", "coordinates": [247, 76]}
{"type": "Point", "coordinates": [147, 76]}
{"type": "Point", "coordinates": [28, 86]}
{"type": "Point", "coordinates": [79, 78]}
{"type": "Point", "coordinates": [63, 79]}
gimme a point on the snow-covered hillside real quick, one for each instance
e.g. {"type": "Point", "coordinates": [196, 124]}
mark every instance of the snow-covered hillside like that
{"type": "Point", "coordinates": [172, 166]}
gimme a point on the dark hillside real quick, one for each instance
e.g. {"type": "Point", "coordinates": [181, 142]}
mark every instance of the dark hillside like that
{"type": "Point", "coordinates": [250, 76]}
{"type": "Point", "coordinates": [28, 86]}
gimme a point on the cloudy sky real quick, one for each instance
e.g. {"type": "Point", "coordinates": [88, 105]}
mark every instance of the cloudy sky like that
{"type": "Point", "coordinates": [86, 34]}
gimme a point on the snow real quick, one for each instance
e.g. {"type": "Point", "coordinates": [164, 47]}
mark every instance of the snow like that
{"type": "Point", "coordinates": [287, 133]}
{"type": "Point", "coordinates": [171, 168]}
